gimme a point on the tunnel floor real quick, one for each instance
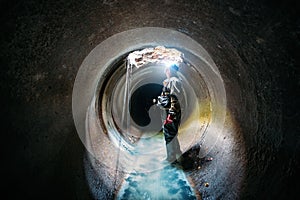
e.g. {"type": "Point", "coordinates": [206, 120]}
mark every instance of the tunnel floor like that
{"type": "Point", "coordinates": [152, 177]}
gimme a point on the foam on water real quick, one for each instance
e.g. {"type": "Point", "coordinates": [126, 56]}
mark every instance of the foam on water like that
{"type": "Point", "coordinates": [153, 178]}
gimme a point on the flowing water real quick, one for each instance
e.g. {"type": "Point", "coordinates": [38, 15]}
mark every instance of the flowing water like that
{"type": "Point", "coordinates": [152, 177]}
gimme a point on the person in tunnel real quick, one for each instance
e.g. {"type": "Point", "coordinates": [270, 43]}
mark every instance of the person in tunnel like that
{"type": "Point", "coordinates": [169, 103]}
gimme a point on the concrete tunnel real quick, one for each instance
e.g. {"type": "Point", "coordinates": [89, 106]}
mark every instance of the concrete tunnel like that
{"type": "Point", "coordinates": [253, 46]}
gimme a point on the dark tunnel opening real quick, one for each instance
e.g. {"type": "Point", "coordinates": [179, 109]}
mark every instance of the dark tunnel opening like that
{"type": "Point", "coordinates": [255, 45]}
{"type": "Point", "coordinates": [141, 101]}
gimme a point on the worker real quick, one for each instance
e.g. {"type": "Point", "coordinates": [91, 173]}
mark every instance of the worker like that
{"type": "Point", "coordinates": [169, 103]}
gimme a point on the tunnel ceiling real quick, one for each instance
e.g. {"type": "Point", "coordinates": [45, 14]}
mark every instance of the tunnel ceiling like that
{"type": "Point", "coordinates": [255, 45]}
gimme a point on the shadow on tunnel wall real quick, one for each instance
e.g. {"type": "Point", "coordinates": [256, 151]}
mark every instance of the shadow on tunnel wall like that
{"type": "Point", "coordinates": [255, 44]}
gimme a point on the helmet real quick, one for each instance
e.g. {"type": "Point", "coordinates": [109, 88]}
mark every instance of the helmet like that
{"type": "Point", "coordinates": [174, 67]}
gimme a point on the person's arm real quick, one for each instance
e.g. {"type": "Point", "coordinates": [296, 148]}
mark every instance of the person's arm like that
{"type": "Point", "coordinates": [164, 101]}
{"type": "Point", "coordinates": [174, 102]}
{"type": "Point", "coordinates": [174, 108]}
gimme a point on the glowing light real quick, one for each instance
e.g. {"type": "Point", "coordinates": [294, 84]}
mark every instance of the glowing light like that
{"type": "Point", "coordinates": [158, 55]}
{"type": "Point", "coordinates": [169, 63]}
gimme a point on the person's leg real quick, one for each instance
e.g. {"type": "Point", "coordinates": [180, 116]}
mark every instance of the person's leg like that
{"type": "Point", "coordinates": [173, 150]}
{"type": "Point", "coordinates": [172, 145]}
{"type": "Point", "coordinates": [176, 147]}
{"type": "Point", "coordinates": [168, 139]}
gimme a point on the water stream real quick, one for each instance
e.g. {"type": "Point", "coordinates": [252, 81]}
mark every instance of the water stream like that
{"type": "Point", "coordinates": [152, 177]}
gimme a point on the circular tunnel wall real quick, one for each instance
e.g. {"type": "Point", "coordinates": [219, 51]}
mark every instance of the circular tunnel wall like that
{"type": "Point", "coordinates": [254, 46]}
{"type": "Point", "coordinates": [203, 107]}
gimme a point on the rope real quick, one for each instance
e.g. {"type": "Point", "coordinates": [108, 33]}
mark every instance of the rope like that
{"type": "Point", "coordinates": [125, 101]}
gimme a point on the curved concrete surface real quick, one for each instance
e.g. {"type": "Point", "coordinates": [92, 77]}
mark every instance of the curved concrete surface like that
{"type": "Point", "coordinates": [255, 47]}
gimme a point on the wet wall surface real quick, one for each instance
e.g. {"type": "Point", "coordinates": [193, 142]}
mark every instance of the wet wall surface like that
{"type": "Point", "coordinates": [255, 45]}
